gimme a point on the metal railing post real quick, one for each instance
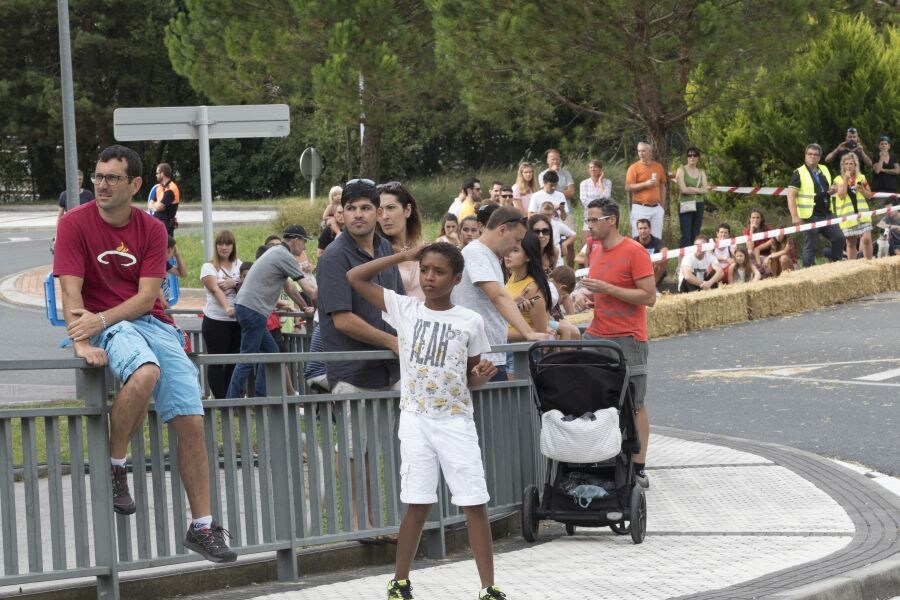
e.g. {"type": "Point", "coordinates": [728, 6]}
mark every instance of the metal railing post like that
{"type": "Point", "coordinates": [436, 539]}
{"type": "Point", "coordinates": [281, 464]}
{"type": "Point", "coordinates": [94, 393]}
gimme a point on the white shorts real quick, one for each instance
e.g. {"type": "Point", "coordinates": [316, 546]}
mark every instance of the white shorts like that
{"type": "Point", "coordinates": [448, 445]}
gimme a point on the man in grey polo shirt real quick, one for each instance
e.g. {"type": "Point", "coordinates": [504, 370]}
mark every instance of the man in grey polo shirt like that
{"type": "Point", "coordinates": [257, 296]}
{"type": "Point", "coordinates": [348, 323]}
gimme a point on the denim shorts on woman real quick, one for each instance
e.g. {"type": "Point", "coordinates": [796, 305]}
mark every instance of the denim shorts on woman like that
{"type": "Point", "coordinates": [430, 446]}
{"type": "Point", "coordinates": [130, 344]}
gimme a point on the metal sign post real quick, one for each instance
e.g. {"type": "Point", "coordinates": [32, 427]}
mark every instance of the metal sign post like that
{"type": "Point", "coordinates": [202, 123]}
{"type": "Point", "coordinates": [311, 168]}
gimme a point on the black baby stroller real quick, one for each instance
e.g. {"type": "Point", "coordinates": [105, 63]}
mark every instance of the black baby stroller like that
{"type": "Point", "coordinates": [577, 379]}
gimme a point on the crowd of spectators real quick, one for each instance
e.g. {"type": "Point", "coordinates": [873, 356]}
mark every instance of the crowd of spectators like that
{"type": "Point", "coordinates": [537, 275]}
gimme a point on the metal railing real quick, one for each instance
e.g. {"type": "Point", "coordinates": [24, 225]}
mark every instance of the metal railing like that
{"type": "Point", "coordinates": [280, 473]}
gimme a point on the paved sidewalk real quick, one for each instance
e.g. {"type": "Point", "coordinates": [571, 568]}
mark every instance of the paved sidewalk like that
{"type": "Point", "coordinates": [728, 519]}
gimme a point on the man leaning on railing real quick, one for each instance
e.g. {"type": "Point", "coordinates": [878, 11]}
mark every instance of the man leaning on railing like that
{"type": "Point", "coordinates": [111, 260]}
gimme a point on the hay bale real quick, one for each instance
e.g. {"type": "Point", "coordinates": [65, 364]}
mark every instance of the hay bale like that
{"type": "Point", "coordinates": [783, 295]}
{"type": "Point", "coordinates": [798, 291]}
{"type": "Point", "coordinates": [889, 273]}
{"type": "Point", "coordinates": [836, 283]}
{"type": "Point", "coordinates": [722, 306]}
{"type": "Point", "coordinates": [668, 316]}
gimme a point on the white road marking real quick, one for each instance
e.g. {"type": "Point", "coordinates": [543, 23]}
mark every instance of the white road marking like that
{"type": "Point", "coordinates": [839, 381]}
{"type": "Point", "coordinates": [881, 376]}
{"type": "Point", "coordinates": [797, 372]}
{"type": "Point", "coordinates": [810, 365]}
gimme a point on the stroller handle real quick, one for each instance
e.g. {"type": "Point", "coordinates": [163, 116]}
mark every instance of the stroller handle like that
{"type": "Point", "coordinates": [579, 344]}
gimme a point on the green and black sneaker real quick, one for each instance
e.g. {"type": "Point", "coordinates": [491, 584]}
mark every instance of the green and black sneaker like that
{"type": "Point", "coordinates": [400, 589]}
{"type": "Point", "coordinates": [492, 593]}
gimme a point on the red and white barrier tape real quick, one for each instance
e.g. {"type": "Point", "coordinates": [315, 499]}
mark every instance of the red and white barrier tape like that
{"type": "Point", "coordinates": [774, 191]}
{"type": "Point", "coordinates": [756, 237]}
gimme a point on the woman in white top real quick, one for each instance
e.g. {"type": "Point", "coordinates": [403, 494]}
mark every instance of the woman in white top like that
{"type": "Point", "coordinates": [221, 333]}
{"type": "Point", "coordinates": [594, 187]}
{"type": "Point", "coordinates": [401, 223]}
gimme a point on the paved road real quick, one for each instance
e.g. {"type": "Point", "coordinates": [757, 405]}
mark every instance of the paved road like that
{"type": "Point", "coordinates": [737, 381]}
{"type": "Point", "coordinates": [26, 334]}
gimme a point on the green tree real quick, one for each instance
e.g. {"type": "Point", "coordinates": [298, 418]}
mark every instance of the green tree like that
{"type": "Point", "coordinates": [630, 66]}
{"type": "Point", "coordinates": [350, 61]}
{"type": "Point", "coordinates": [848, 76]}
{"type": "Point", "coordinates": [118, 59]}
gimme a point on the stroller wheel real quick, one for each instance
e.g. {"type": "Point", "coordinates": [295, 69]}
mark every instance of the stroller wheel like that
{"type": "Point", "coordinates": [638, 514]}
{"type": "Point", "coordinates": [570, 529]}
{"type": "Point", "coordinates": [620, 528]}
{"type": "Point", "coordinates": [530, 503]}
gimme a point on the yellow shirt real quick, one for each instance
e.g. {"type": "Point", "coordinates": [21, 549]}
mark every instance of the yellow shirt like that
{"type": "Point", "coordinates": [467, 208]}
{"type": "Point", "coordinates": [515, 289]}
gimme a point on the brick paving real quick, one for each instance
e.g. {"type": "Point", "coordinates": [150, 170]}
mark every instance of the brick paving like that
{"type": "Point", "coordinates": [727, 519]}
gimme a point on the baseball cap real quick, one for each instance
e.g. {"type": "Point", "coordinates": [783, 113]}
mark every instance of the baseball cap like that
{"type": "Point", "coordinates": [851, 130]}
{"type": "Point", "coordinates": [884, 138]}
{"type": "Point", "coordinates": [295, 231]}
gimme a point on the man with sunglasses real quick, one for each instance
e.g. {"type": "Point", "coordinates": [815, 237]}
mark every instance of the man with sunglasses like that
{"type": "Point", "coordinates": [622, 282]}
{"type": "Point", "coordinates": [482, 286]}
{"type": "Point", "coordinates": [852, 144]}
{"type": "Point", "coordinates": [111, 260]}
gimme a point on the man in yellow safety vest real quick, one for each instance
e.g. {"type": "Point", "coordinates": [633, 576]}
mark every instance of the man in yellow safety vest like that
{"type": "Point", "coordinates": [808, 196]}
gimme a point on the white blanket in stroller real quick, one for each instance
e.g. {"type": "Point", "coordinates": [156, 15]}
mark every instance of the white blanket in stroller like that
{"type": "Point", "coordinates": [592, 437]}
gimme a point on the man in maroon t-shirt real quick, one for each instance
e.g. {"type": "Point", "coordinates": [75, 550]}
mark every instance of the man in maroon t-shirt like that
{"type": "Point", "coordinates": [111, 260]}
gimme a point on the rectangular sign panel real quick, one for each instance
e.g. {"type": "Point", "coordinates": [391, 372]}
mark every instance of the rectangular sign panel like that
{"type": "Point", "coordinates": [182, 122]}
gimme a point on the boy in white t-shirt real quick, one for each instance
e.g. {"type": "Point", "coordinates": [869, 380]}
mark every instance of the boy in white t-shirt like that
{"type": "Point", "coordinates": [440, 347]}
{"type": "Point", "coordinates": [548, 194]}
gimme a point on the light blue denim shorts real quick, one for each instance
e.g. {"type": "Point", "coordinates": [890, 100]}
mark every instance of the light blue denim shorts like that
{"type": "Point", "coordinates": [130, 344]}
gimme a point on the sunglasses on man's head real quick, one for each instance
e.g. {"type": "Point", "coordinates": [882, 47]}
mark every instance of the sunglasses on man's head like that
{"type": "Point", "coordinates": [520, 220]}
{"type": "Point", "coordinates": [363, 181]}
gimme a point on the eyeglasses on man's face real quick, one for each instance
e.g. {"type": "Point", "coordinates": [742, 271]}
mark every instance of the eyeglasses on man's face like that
{"type": "Point", "coordinates": [593, 220]}
{"type": "Point", "coordinates": [111, 180]}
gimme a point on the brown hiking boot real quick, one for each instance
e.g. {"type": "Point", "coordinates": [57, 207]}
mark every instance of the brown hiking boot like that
{"type": "Point", "coordinates": [123, 503]}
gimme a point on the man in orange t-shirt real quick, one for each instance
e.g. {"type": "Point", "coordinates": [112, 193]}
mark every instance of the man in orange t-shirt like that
{"type": "Point", "coordinates": [646, 181]}
{"type": "Point", "coordinates": [621, 279]}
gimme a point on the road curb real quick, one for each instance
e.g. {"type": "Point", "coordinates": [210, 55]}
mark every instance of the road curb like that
{"type": "Point", "coordinates": [11, 295]}
{"type": "Point", "coordinates": [880, 580]}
